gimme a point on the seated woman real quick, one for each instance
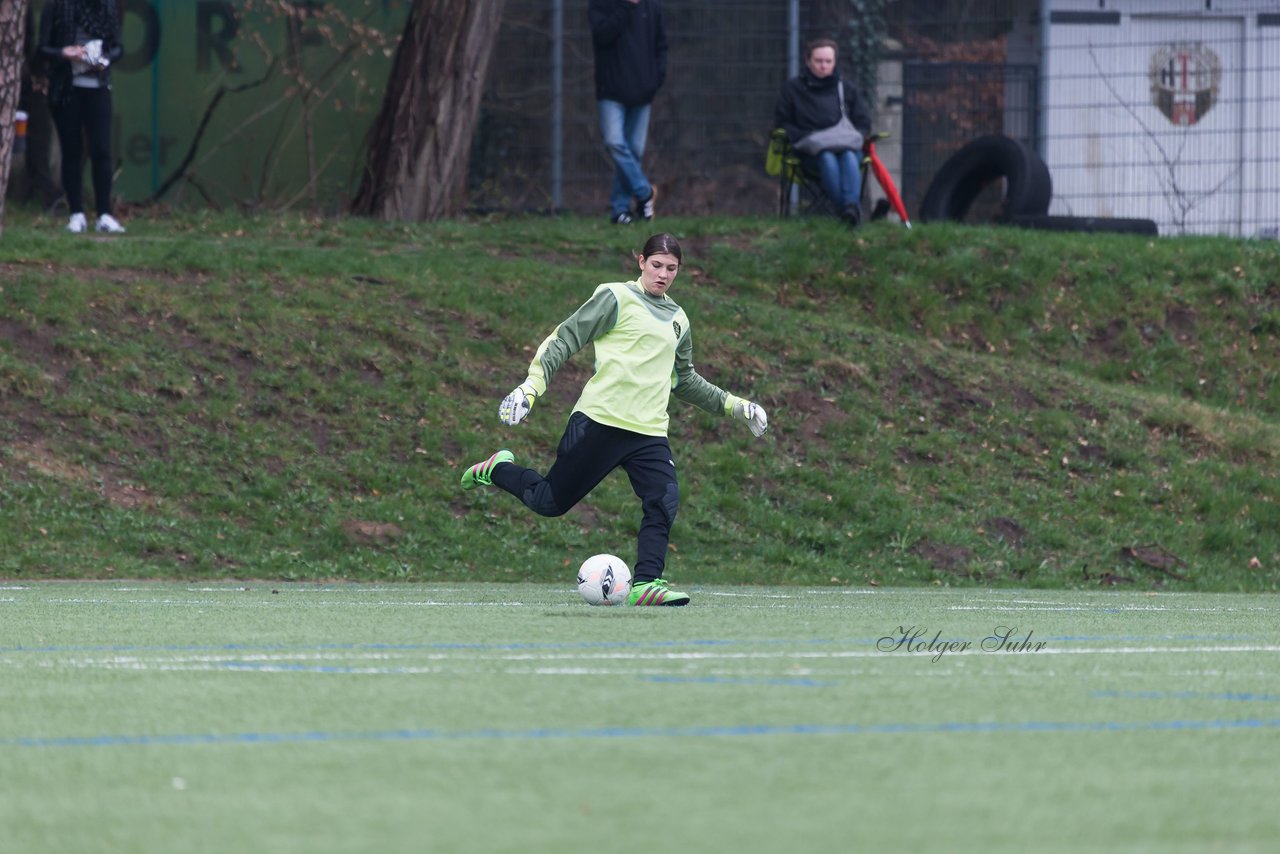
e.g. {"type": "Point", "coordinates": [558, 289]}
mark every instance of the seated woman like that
{"type": "Point", "coordinates": [811, 102]}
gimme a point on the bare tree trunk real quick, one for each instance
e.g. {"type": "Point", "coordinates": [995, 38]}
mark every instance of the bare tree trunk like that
{"type": "Point", "coordinates": [420, 144]}
{"type": "Point", "coordinates": [12, 23]}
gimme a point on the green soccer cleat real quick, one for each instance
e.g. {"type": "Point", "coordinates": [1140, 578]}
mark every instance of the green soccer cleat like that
{"type": "Point", "coordinates": [480, 474]}
{"type": "Point", "coordinates": [656, 592]}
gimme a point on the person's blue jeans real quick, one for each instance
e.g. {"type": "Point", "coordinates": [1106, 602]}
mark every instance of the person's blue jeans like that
{"type": "Point", "coordinates": [624, 130]}
{"type": "Point", "coordinates": [841, 177]}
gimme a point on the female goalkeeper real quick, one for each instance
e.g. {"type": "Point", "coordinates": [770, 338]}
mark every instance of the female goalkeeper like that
{"type": "Point", "coordinates": [643, 354]}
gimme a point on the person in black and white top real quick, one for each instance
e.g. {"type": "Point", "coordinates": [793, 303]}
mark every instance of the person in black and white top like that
{"type": "Point", "coordinates": [79, 40]}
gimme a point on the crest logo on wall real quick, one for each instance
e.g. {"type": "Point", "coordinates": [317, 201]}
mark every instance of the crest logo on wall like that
{"type": "Point", "coordinates": [1185, 78]}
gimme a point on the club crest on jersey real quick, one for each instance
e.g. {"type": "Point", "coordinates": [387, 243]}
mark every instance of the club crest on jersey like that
{"type": "Point", "coordinates": [675, 324]}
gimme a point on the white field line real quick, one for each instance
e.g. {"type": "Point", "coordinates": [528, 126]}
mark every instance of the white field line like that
{"type": "Point", "coordinates": [1167, 603]}
{"type": "Point", "coordinates": [750, 595]}
{"type": "Point", "coordinates": [812, 599]}
{"type": "Point", "coordinates": [252, 657]}
{"type": "Point", "coordinates": [284, 589]}
{"type": "Point", "coordinates": [337, 662]}
{"type": "Point", "coordinates": [263, 603]}
{"type": "Point", "coordinates": [686, 656]}
{"type": "Point", "coordinates": [285, 602]}
{"type": "Point", "coordinates": [1125, 608]}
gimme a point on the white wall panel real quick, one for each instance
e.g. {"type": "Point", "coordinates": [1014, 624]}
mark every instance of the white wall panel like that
{"type": "Point", "coordinates": [1165, 111]}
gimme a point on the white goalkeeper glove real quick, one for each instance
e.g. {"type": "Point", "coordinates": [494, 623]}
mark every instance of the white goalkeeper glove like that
{"type": "Point", "coordinates": [516, 406]}
{"type": "Point", "coordinates": [755, 416]}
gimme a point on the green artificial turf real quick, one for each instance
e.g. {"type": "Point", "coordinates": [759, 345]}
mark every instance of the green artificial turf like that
{"type": "Point", "coordinates": [167, 717]}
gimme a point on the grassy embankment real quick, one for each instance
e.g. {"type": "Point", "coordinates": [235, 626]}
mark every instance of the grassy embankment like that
{"type": "Point", "coordinates": [220, 397]}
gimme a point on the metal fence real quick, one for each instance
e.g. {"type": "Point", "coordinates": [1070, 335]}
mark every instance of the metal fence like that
{"type": "Point", "coordinates": [710, 123]}
{"type": "Point", "coordinates": [1161, 109]}
{"type": "Point", "coordinates": [946, 104]}
{"type": "Point", "coordinates": [1169, 115]}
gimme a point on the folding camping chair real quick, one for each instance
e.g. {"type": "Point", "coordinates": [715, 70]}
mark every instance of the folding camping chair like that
{"type": "Point", "coordinates": [783, 162]}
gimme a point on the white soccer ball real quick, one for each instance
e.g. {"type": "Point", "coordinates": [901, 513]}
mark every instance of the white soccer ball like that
{"type": "Point", "coordinates": [604, 580]}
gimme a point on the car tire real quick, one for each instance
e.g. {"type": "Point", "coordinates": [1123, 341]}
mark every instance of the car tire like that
{"type": "Point", "coordinates": [1028, 185]}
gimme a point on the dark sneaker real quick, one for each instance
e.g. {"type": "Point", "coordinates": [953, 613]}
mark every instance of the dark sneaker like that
{"type": "Point", "coordinates": [480, 473]}
{"type": "Point", "coordinates": [623, 218]}
{"type": "Point", "coordinates": [656, 592]}
{"type": "Point", "coordinates": [852, 215]}
{"type": "Point", "coordinates": [647, 206]}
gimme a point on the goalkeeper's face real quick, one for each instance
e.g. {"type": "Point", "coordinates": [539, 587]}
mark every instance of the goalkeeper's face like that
{"type": "Point", "coordinates": [657, 272]}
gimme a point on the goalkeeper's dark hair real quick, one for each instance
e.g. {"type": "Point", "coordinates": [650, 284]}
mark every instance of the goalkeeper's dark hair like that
{"type": "Point", "coordinates": [662, 244]}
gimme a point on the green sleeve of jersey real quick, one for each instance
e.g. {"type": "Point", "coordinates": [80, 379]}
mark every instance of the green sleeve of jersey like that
{"type": "Point", "coordinates": [593, 319]}
{"type": "Point", "coordinates": [690, 387]}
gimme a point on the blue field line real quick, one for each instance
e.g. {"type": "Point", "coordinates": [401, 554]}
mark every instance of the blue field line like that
{"type": "Point", "coordinates": [547, 734]}
{"type": "Point", "coordinates": [535, 646]}
{"type": "Point", "coordinates": [1186, 695]}
{"type": "Point", "coordinates": [800, 682]}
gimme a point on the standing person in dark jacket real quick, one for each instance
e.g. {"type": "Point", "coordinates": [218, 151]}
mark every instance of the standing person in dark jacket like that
{"type": "Point", "coordinates": [630, 42]}
{"type": "Point", "coordinates": [811, 102]}
{"type": "Point", "coordinates": [79, 39]}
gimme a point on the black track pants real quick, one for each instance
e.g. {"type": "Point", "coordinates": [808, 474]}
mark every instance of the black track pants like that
{"type": "Point", "coordinates": [587, 453]}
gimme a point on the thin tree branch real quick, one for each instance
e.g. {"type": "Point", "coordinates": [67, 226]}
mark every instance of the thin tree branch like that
{"type": "Point", "coordinates": [179, 172]}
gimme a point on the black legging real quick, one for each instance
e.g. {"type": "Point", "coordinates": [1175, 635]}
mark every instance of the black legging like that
{"type": "Point", "coordinates": [588, 451]}
{"type": "Point", "coordinates": [86, 112]}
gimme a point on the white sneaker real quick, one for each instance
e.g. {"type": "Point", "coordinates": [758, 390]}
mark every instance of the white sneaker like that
{"type": "Point", "coordinates": [108, 223]}
{"type": "Point", "coordinates": [647, 206]}
{"type": "Point", "coordinates": [77, 224]}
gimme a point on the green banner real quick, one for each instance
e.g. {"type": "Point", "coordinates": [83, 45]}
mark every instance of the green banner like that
{"type": "Point", "coordinates": [252, 104]}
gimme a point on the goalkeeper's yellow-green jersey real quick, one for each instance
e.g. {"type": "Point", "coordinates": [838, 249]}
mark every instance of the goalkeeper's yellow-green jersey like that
{"type": "Point", "coordinates": [643, 355]}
